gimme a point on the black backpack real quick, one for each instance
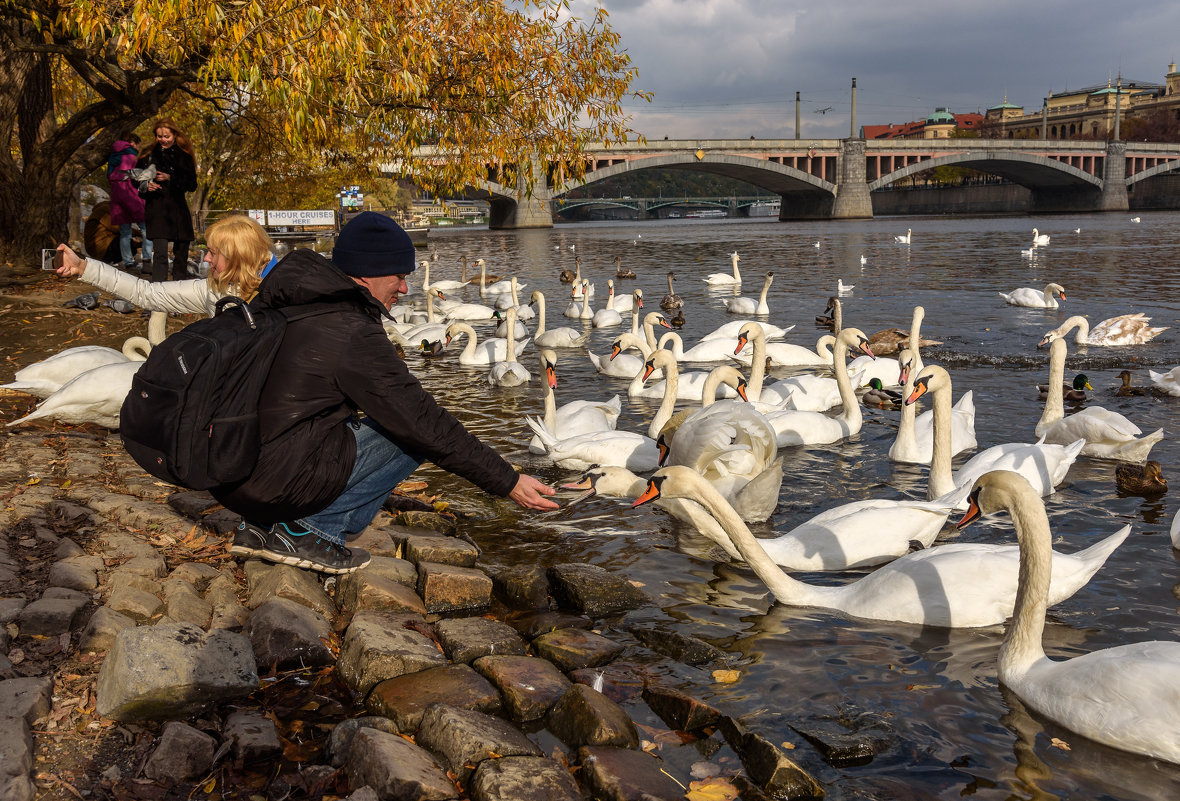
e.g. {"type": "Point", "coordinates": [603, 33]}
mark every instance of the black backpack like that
{"type": "Point", "coordinates": [191, 417]}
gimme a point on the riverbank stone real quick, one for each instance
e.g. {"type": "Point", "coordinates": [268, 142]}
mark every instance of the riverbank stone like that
{"type": "Point", "coordinates": [16, 760]}
{"type": "Point", "coordinates": [593, 591]}
{"type": "Point", "coordinates": [252, 734]}
{"type": "Point", "coordinates": [119, 581]}
{"type": "Point", "coordinates": [523, 778]}
{"type": "Point", "coordinates": [378, 593]}
{"type": "Point", "coordinates": [570, 649]}
{"type": "Point", "coordinates": [101, 629]}
{"type": "Point", "coordinates": [395, 768]}
{"type": "Point", "coordinates": [766, 764]}
{"type": "Point", "coordinates": [183, 753]}
{"type": "Point", "coordinates": [466, 639]}
{"type": "Point", "coordinates": [841, 747]}
{"type": "Point", "coordinates": [188, 607]}
{"type": "Point", "coordinates": [533, 624]}
{"type": "Point", "coordinates": [188, 671]}
{"type": "Point", "coordinates": [198, 574]}
{"type": "Point", "coordinates": [421, 548]}
{"type": "Point", "coordinates": [463, 738]}
{"type": "Point", "coordinates": [530, 686]}
{"type": "Point", "coordinates": [76, 575]}
{"type": "Point", "coordinates": [26, 698]}
{"type": "Point", "coordinates": [340, 740]}
{"type": "Point", "coordinates": [389, 567]}
{"type": "Point", "coordinates": [136, 604]}
{"type": "Point", "coordinates": [449, 588]}
{"type": "Point", "coordinates": [50, 616]}
{"type": "Point", "coordinates": [405, 699]}
{"type": "Point", "coordinates": [284, 581]}
{"type": "Point", "coordinates": [522, 587]}
{"type": "Point", "coordinates": [621, 774]}
{"type": "Point", "coordinates": [583, 716]}
{"type": "Point", "coordinates": [288, 635]}
{"type": "Point", "coordinates": [681, 647]}
{"type": "Point", "coordinates": [679, 710]}
{"type": "Point", "coordinates": [377, 647]}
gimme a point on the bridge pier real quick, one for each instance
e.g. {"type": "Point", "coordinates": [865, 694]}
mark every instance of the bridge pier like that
{"type": "Point", "coordinates": [852, 190]}
{"type": "Point", "coordinates": [1114, 178]}
{"type": "Point", "coordinates": [530, 208]}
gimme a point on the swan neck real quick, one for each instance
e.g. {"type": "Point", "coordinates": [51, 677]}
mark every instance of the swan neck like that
{"type": "Point", "coordinates": [1055, 402]}
{"type": "Point", "coordinates": [677, 344]}
{"type": "Point", "coordinates": [668, 402]}
{"type": "Point", "coordinates": [548, 399]}
{"type": "Point", "coordinates": [838, 318]}
{"type": "Point", "coordinates": [157, 327]}
{"type": "Point", "coordinates": [907, 428]}
{"type": "Point", "coordinates": [757, 366]}
{"type": "Point", "coordinates": [429, 305]}
{"type": "Point", "coordinates": [941, 480]}
{"type": "Point", "coordinates": [469, 348]}
{"type": "Point", "coordinates": [916, 338]}
{"type": "Point", "coordinates": [765, 289]}
{"type": "Point", "coordinates": [736, 275]}
{"type": "Point", "coordinates": [851, 414]}
{"type": "Point", "coordinates": [137, 349]}
{"type": "Point", "coordinates": [540, 315]}
{"type": "Point", "coordinates": [1022, 644]}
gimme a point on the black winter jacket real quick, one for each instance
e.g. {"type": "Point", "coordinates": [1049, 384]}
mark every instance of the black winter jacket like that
{"type": "Point", "coordinates": [166, 214]}
{"type": "Point", "coordinates": [328, 367]}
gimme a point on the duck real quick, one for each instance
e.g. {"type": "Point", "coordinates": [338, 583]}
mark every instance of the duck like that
{"type": "Point", "coordinates": [509, 372]}
{"type": "Point", "coordinates": [961, 585]}
{"type": "Point", "coordinates": [677, 320]}
{"type": "Point", "coordinates": [554, 337]}
{"type": "Point", "coordinates": [582, 310]}
{"type": "Point", "coordinates": [94, 396]}
{"type": "Point", "coordinates": [567, 276]}
{"type": "Point", "coordinates": [573, 418]}
{"type": "Point", "coordinates": [828, 318]}
{"type": "Point", "coordinates": [1168, 382]}
{"type": "Point", "coordinates": [880, 397]}
{"type": "Point", "coordinates": [749, 305]}
{"type": "Point", "coordinates": [725, 279]}
{"type": "Point", "coordinates": [1033, 298]}
{"type": "Point", "coordinates": [431, 349]}
{"type": "Point", "coordinates": [904, 238]}
{"type": "Point", "coordinates": [1107, 434]}
{"type": "Point", "coordinates": [888, 341]}
{"type": "Point", "coordinates": [671, 300]}
{"type": "Point", "coordinates": [477, 352]}
{"type": "Point", "coordinates": [620, 273]}
{"type": "Point", "coordinates": [685, 386]}
{"type": "Point", "coordinates": [1074, 392]}
{"type": "Point", "coordinates": [1126, 697]}
{"type": "Point", "coordinates": [1146, 479]}
{"type": "Point", "coordinates": [914, 443]}
{"type": "Point", "coordinates": [1126, 329]}
{"type": "Point", "coordinates": [1043, 464]}
{"type": "Point", "coordinates": [1126, 390]}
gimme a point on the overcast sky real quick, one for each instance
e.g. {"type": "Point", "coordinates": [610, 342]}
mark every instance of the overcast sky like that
{"type": "Point", "coordinates": [730, 68]}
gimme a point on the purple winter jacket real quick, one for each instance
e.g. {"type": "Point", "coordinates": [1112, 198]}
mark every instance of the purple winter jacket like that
{"type": "Point", "coordinates": [126, 204]}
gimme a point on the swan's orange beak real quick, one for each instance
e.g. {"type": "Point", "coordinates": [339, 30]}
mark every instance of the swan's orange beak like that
{"type": "Point", "coordinates": [639, 301]}
{"type": "Point", "coordinates": [551, 376]}
{"type": "Point", "coordinates": [1043, 342]}
{"type": "Point", "coordinates": [587, 487]}
{"type": "Point", "coordinates": [973, 512]}
{"type": "Point", "coordinates": [741, 390]}
{"type": "Point", "coordinates": [441, 296]}
{"type": "Point", "coordinates": [650, 494]}
{"type": "Point", "coordinates": [648, 368]}
{"type": "Point", "coordinates": [664, 323]}
{"type": "Point", "coordinates": [448, 342]}
{"type": "Point", "coordinates": [615, 351]}
{"type": "Point", "coordinates": [866, 350]}
{"type": "Point", "coordinates": [921, 387]}
{"type": "Point", "coordinates": [742, 340]}
{"type": "Point", "coordinates": [663, 448]}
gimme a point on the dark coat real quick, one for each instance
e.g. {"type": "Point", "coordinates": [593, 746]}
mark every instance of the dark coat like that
{"type": "Point", "coordinates": [166, 214]}
{"type": "Point", "coordinates": [329, 367]}
{"type": "Point", "coordinates": [126, 204]}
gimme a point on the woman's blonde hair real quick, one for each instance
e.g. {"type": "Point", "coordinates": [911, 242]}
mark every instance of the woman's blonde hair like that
{"type": "Point", "coordinates": [247, 249]}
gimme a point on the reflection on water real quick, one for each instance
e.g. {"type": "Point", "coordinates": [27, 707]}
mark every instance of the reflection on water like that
{"type": "Point", "coordinates": [953, 731]}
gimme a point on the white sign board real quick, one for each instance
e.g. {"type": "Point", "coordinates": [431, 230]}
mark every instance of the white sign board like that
{"type": "Point", "coordinates": [258, 216]}
{"type": "Point", "coordinates": [301, 217]}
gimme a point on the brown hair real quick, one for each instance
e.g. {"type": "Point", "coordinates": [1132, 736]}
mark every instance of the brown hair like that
{"type": "Point", "coordinates": [182, 140]}
{"type": "Point", "coordinates": [246, 247]}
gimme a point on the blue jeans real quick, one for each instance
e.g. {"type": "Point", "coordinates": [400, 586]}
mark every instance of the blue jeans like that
{"type": "Point", "coordinates": [125, 233]}
{"type": "Point", "coordinates": [379, 467]}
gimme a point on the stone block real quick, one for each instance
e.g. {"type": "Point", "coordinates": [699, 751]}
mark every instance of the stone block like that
{"type": "Point", "coordinates": [523, 779]}
{"type": "Point", "coordinates": [135, 604]}
{"type": "Point", "coordinates": [152, 566]}
{"type": "Point", "coordinates": [301, 586]}
{"type": "Point", "coordinates": [340, 740]}
{"type": "Point", "coordinates": [10, 609]}
{"type": "Point", "coordinates": [50, 616]}
{"type": "Point", "coordinates": [421, 548]}
{"type": "Point", "coordinates": [197, 574]}
{"type": "Point", "coordinates": [617, 774]}
{"type": "Point", "coordinates": [26, 699]}
{"type": "Point", "coordinates": [188, 671]}
{"type": "Point", "coordinates": [570, 649]}
{"type": "Point", "coordinates": [395, 768]}
{"type": "Point", "coordinates": [679, 710]}
{"type": "Point", "coordinates": [118, 580]}
{"type": "Point", "coordinates": [100, 631]}
{"type": "Point", "coordinates": [523, 587]}
{"type": "Point", "coordinates": [618, 681]}
{"type": "Point", "coordinates": [468, 638]}
{"type": "Point", "coordinates": [681, 647]}
{"type": "Point", "coordinates": [183, 754]}
{"type": "Point", "coordinates": [377, 648]}
{"type": "Point", "coordinates": [593, 591]}
{"type": "Point", "coordinates": [462, 738]}
{"type": "Point", "coordinates": [404, 699]}
{"type": "Point", "coordinates": [289, 635]}
{"type": "Point", "coordinates": [253, 735]}
{"type": "Point", "coordinates": [533, 624]}
{"type": "Point", "coordinates": [67, 549]}
{"type": "Point", "coordinates": [16, 761]}
{"type": "Point", "coordinates": [584, 716]}
{"type": "Point", "coordinates": [185, 608]}
{"type": "Point", "coordinates": [448, 588]}
{"type": "Point", "coordinates": [361, 592]}
{"type": "Point", "coordinates": [231, 617]}
{"type": "Point", "coordinates": [766, 764]}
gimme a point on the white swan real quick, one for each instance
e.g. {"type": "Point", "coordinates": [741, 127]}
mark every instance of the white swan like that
{"type": "Point", "coordinates": [519, 329]}
{"type": "Point", "coordinates": [456, 310]}
{"type": "Point", "coordinates": [498, 288]}
{"type": "Point", "coordinates": [1168, 382]}
{"type": "Point", "coordinates": [749, 305]}
{"type": "Point", "coordinates": [509, 372]}
{"type": "Point", "coordinates": [1042, 464]}
{"type": "Point", "coordinates": [432, 330]}
{"type": "Point", "coordinates": [608, 316]}
{"type": "Point", "coordinates": [478, 352]}
{"type": "Point", "coordinates": [626, 301]}
{"type": "Point", "coordinates": [914, 443]}
{"type": "Point", "coordinates": [580, 311]}
{"type": "Point", "coordinates": [725, 279]}
{"type": "Point", "coordinates": [730, 330]}
{"type": "Point", "coordinates": [954, 586]}
{"type": "Point", "coordinates": [1136, 219]}
{"type": "Point", "coordinates": [1126, 329]}
{"type": "Point", "coordinates": [1040, 240]}
{"type": "Point", "coordinates": [1108, 435]}
{"type": "Point", "coordinates": [441, 286]}
{"type": "Point", "coordinates": [782, 354]}
{"type": "Point", "coordinates": [1127, 697]}
{"type": "Point", "coordinates": [1034, 298]}
{"type": "Point", "coordinates": [906, 238]}
{"type": "Point", "coordinates": [95, 396]}
{"type": "Point", "coordinates": [685, 386]}
{"type": "Point", "coordinates": [618, 364]}
{"type": "Point", "coordinates": [706, 351]}
{"type": "Point", "coordinates": [554, 337]}
{"type": "Point", "coordinates": [575, 417]}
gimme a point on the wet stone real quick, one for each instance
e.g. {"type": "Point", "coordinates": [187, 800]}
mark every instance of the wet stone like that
{"type": "Point", "coordinates": [679, 710]}
{"type": "Point", "coordinates": [301, 586]}
{"type": "Point", "coordinates": [183, 754]}
{"type": "Point", "coordinates": [681, 647]}
{"type": "Point", "coordinates": [447, 588]}
{"type": "Point", "coordinates": [380, 594]}
{"type": "Point", "coordinates": [395, 768]}
{"type": "Point", "coordinates": [593, 591]}
{"type": "Point", "coordinates": [573, 648]}
{"type": "Point", "coordinates": [288, 635]}
{"type": "Point", "coordinates": [467, 639]}
{"type": "Point", "coordinates": [73, 575]}
{"type": "Point", "coordinates": [463, 738]}
{"type": "Point", "coordinates": [340, 740]}
{"type": "Point", "coordinates": [840, 747]}
{"type": "Point", "coordinates": [26, 699]}
{"type": "Point", "coordinates": [618, 681]}
{"type": "Point", "coordinates": [404, 699]}
{"type": "Point", "coordinates": [523, 587]}
{"type": "Point", "coordinates": [253, 735]}
{"type": "Point", "coordinates": [529, 686]}
{"type": "Point", "coordinates": [135, 604]}
{"type": "Point", "coordinates": [100, 631]}
{"type": "Point", "coordinates": [522, 778]}
{"type": "Point", "coordinates": [377, 647]}
{"type": "Point", "coordinates": [440, 550]}
{"type": "Point", "coordinates": [585, 717]}
{"type": "Point", "coordinates": [533, 624]}
{"type": "Point", "coordinates": [620, 774]}
{"type": "Point", "coordinates": [766, 764]}
{"type": "Point", "coordinates": [50, 616]}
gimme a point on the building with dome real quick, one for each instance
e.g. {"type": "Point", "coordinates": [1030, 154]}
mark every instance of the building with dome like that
{"type": "Point", "coordinates": [941, 124]}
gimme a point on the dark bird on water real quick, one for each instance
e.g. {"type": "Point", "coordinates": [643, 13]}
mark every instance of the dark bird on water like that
{"type": "Point", "coordinates": [1141, 479]}
{"type": "Point", "coordinates": [1074, 393]}
{"type": "Point", "coordinates": [1126, 390]}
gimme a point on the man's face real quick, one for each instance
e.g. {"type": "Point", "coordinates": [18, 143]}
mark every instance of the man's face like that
{"type": "Point", "coordinates": [385, 288]}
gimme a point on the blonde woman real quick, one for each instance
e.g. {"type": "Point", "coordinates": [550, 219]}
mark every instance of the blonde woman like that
{"type": "Point", "coordinates": [238, 255]}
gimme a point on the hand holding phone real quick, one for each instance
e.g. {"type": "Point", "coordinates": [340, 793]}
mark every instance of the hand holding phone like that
{"type": "Point", "coordinates": [51, 258]}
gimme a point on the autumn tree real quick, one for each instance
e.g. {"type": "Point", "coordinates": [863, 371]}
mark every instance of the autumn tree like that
{"type": "Point", "coordinates": [484, 83]}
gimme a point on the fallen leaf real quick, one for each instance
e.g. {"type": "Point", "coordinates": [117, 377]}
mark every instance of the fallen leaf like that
{"type": "Point", "coordinates": [207, 788]}
{"type": "Point", "coordinates": [788, 745]}
{"type": "Point", "coordinates": [922, 687]}
{"type": "Point", "coordinates": [647, 746]}
{"type": "Point", "coordinates": [1058, 743]}
{"type": "Point", "coordinates": [726, 676]}
{"type": "Point", "coordinates": [716, 788]}
{"type": "Point", "coordinates": [704, 770]}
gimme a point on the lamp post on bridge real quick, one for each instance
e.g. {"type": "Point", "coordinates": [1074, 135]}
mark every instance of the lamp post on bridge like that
{"type": "Point", "coordinates": [852, 132]}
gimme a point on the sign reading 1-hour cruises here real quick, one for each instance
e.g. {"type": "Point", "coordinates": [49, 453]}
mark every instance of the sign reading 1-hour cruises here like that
{"type": "Point", "coordinates": [302, 217]}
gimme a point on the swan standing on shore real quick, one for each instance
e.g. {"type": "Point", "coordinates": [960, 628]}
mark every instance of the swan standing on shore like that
{"type": "Point", "coordinates": [1034, 298]}
{"type": "Point", "coordinates": [725, 279]}
{"type": "Point", "coordinates": [1126, 329]}
{"type": "Point", "coordinates": [749, 305]}
{"type": "Point", "coordinates": [1127, 697]}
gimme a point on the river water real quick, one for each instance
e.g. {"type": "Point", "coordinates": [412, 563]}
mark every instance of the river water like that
{"type": "Point", "coordinates": [952, 730]}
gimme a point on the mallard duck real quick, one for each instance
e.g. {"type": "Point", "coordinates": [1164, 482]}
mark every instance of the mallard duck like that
{"type": "Point", "coordinates": [430, 349]}
{"type": "Point", "coordinates": [1141, 479]}
{"type": "Point", "coordinates": [1075, 393]}
{"type": "Point", "coordinates": [878, 396]}
{"type": "Point", "coordinates": [1126, 390]}
{"type": "Point", "coordinates": [620, 272]}
{"type": "Point", "coordinates": [677, 319]}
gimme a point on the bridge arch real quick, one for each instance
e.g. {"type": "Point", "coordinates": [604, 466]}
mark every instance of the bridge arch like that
{"type": "Point", "coordinates": [1151, 172]}
{"type": "Point", "coordinates": [1027, 169]}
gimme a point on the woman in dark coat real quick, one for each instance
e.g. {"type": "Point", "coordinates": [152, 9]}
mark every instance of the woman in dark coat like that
{"type": "Point", "coordinates": [166, 214]}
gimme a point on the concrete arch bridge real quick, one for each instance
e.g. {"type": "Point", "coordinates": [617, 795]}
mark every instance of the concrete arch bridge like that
{"type": "Point", "coordinates": [834, 178]}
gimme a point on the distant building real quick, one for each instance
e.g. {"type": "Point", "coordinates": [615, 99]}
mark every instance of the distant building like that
{"type": "Point", "coordinates": [942, 124]}
{"type": "Point", "coordinates": [1087, 113]}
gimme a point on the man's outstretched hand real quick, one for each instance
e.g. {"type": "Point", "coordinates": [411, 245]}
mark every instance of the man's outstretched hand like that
{"type": "Point", "coordinates": [530, 493]}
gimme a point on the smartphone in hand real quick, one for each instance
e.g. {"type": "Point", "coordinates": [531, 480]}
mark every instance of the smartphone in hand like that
{"type": "Point", "coordinates": [52, 258]}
